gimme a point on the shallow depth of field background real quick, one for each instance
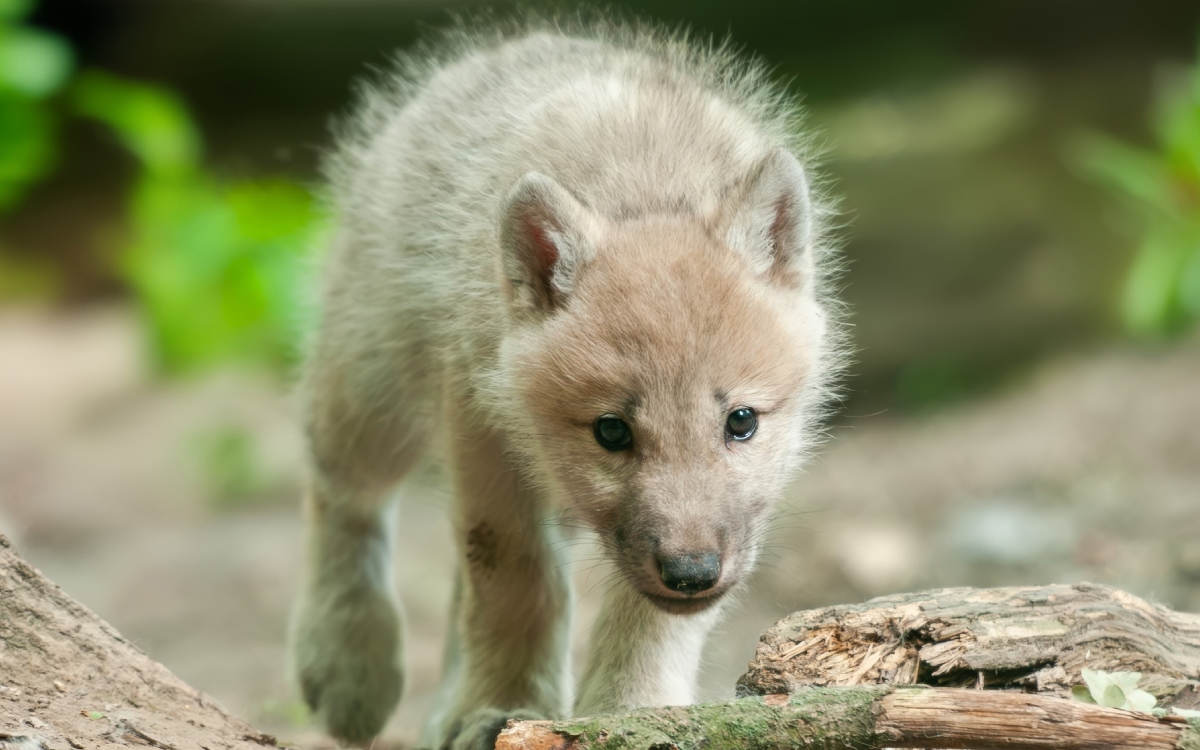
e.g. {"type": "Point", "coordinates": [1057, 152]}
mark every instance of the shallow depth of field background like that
{"type": "Point", "coordinates": [1021, 186]}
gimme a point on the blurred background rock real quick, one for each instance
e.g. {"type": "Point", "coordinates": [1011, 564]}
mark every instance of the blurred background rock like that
{"type": "Point", "coordinates": [1021, 186]}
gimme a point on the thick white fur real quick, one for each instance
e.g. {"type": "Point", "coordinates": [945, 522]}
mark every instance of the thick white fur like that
{"type": "Point", "coordinates": [633, 149]}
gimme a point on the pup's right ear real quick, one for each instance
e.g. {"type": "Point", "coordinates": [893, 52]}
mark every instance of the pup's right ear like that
{"type": "Point", "coordinates": [546, 236]}
{"type": "Point", "coordinates": [769, 218]}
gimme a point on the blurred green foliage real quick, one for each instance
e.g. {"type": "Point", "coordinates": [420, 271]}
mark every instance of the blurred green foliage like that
{"type": "Point", "coordinates": [216, 265]}
{"type": "Point", "coordinates": [934, 381]}
{"type": "Point", "coordinates": [33, 67]}
{"type": "Point", "coordinates": [1162, 291]}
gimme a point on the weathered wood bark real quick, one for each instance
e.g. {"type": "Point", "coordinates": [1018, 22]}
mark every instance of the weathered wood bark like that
{"type": "Point", "coordinates": [865, 718]}
{"type": "Point", "coordinates": [1037, 639]}
{"type": "Point", "coordinates": [69, 680]}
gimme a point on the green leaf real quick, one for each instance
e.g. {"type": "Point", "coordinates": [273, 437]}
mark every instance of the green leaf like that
{"type": "Point", "coordinates": [1115, 690]}
{"type": "Point", "coordinates": [1096, 682]}
{"type": "Point", "coordinates": [1162, 291]}
{"type": "Point", "coordinates": [15, 10]}
{"type": "Point", "coordinates": [1151, 289]}
{"type": "Point", "coordinates": [33, 62]}
{"type": "Point", "coordinates": [1141, 701]}
{"type": "Point", "coordinates": [27, 145]}
{"type": "Point", "coordinates": [1128, 681]}
{"type": "Point", "coordinates": [219, 269]}
{"type": "Point", "coordinates": [1177, 126]}
{"type": "Point", "coordinates": [1113, 696]}
{"type": "Point", "coordinates": [151, 122]}
{"type": "Point", "coordinates": [1139, 174]}
{"type": "Point", "coordinates": [1189, 284]}
{"type": "Point", "coordinates": [267, 210]}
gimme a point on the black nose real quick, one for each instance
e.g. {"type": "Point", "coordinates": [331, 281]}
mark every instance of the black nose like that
{"type": "Point", "coordinates": [688, 574]}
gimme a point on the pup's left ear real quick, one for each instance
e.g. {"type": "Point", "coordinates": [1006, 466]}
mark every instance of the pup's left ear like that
{"type": "Point", "coordinates": [769, 218]}
{"type": "Point", "coordinates": [546, 236]}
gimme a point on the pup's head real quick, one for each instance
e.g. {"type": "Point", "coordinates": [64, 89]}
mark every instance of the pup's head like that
{"type": "Point", "coordinates": [667, 370]}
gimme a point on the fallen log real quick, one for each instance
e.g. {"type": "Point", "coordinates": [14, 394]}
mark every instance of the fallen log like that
{"type": "Point", "coordinates": [69, 680]}
{"type": "Point", "coordinates": [840, 677]}
{"type": "Point", "coordinates": [865, 718]}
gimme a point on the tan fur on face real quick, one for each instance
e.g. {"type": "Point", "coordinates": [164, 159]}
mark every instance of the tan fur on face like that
{"type": "Point", "coordinates": [670, 330]}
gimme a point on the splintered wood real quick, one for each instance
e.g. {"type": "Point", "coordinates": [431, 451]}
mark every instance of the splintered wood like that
{"type": "Point", "coordinates": [1035, 639]}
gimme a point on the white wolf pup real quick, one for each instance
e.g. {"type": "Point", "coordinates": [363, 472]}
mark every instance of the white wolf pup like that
{"type": "Point", "coordinates": [585, 269]}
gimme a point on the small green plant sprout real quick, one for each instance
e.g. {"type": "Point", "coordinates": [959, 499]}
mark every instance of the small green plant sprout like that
{"type": "Point", "coordinates": [1114, 690]}
{"type": "Point", "coordinates": [230, 464]}
{"type": "Point", "coordinates": [1161, 187]}
{"type": "Point", "coordinates": [291, 713]}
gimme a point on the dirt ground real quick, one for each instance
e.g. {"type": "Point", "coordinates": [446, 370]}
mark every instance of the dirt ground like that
{"type": "Point", "coordinates": [170, 509]}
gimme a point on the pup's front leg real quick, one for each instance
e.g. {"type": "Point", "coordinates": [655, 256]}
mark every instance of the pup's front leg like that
{"type": "Point", "coordinates": [346, 636]}
{"type": "Point", "coordinates": [513, 611]}
{"type": "Point", "coordinates": [641, 655]}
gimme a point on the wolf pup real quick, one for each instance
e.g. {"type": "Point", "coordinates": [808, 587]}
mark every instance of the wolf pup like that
{"type": "Point", "coordinates": [585, 270]}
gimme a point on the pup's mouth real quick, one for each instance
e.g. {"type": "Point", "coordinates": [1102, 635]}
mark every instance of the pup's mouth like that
{"type": "Point", "coordinates": [689, 604]}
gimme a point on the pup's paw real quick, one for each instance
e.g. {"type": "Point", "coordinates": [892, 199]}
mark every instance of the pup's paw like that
{"type": "Point", "coordinates": [479, 729]}
{"type": "Point", "coordinates": [347, 653]}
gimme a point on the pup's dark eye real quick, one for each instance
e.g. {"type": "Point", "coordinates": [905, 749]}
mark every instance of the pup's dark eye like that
{"type": "Point", "coordinates": [740, 424]}
{"type": "Point", "coordinates": [612, 434]}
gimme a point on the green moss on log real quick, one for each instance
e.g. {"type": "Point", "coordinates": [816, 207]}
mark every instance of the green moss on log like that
{"type": "Point", "coordinates": [815, 719]}
{"type": "Point", "coordinates": [1190, 739]}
